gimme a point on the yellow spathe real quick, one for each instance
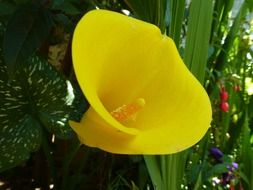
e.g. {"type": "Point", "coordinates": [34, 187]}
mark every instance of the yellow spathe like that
{"type": "Point", "coordinates": [120, 60]}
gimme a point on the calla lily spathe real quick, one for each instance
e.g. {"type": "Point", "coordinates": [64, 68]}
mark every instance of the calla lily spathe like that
{"type": "Point", "coordinates": [143, 99]}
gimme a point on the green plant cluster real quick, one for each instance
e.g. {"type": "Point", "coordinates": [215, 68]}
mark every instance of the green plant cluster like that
{"type": "Point", "coordinates": [39, 95]}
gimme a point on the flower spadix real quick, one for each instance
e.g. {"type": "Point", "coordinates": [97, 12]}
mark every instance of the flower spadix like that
{"type": "Point", "coordinates": [143, 99]}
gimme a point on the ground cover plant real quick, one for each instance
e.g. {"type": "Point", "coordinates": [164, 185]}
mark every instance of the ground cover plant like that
{"type": "Point", "coordinates": [50, 135]}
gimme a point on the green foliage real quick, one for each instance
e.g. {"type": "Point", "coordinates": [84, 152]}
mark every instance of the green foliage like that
{"type": "Point", "coordinates": [247, 152]}
{"type": "Point", "coordinates": [152, 11]}
{"type": "Point", "coordinates": [27, 29]}
{"type": "Point", "coordinates": [6, 8]}
{"type": "Point", "coordinates": [66, 7]}
{"type": "Point", "coordinates": [198, 35]}
{"type": "Point", "coordinates": [37, 97]}
{"type": "Point", "coordinates": [231, 36]}
{"type": "Point", "coordinates": [36, 100]}
{"type": "Point", "coordinates": [154, 171]}
{"type": "Point", "coordinates": [176, 18]}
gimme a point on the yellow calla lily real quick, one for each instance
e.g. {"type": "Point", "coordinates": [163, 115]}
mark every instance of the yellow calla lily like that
{"type": "Point", "coordinates": [143, 99]}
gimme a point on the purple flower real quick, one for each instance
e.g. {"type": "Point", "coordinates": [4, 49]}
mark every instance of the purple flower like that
{"type": "Point", "coordinates": [216, 153]}
{"type": "Point", "coordinates": [233, 166]}
{"type": "Point", "coordinates": [228, 176]}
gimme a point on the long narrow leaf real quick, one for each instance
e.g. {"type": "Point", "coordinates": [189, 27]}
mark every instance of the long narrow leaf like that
{"type": "Point", "coordinates": [154, 171]}
{"type": "Point", "coordinates": [177, 10]}
{"type": "Point", "coordinates": [198, 34]}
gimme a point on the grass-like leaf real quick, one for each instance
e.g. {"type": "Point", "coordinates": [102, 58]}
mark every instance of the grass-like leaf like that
{"type": "Point", "coordinates": [198, 35]}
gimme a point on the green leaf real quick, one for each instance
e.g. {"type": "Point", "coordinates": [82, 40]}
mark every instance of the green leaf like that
{"type": "Point", "coordinates": [222, 57]}
{"type": "Point", "coordinates": [173, 168]}
{"type": "Point", "coordinates": [177, 10]}
{"type": "Point", "coordinates": [65, 22]}
{"type": "Point", "coordinates": [247, 151]}
{"type": "Point", "coordinates": [250, 4]}
{"type": "Point", "coordinates": [141, 9]}
{"type": "Point", "coordinates": [56, 3]}
{"type": "Point", "coordinates": [27, 29]}
{"type": "Point", "coordinates": [154, 171]}
{"type": "Point", "coordinates": [6, 8]}
{"type": "Point", "coordinates": [244, 177]}
{"type": "Point", "coordinates": [250, 106]}
{"type": "Point", "coordinates": [218, 169]}
{"type": "Point", "coordinates": [152, 11]}
{"type": "Point", "coordinates": [198, 35]}
{"type": "Point", "coordinates": [68, 7]}
{"type": "Point", "coordinates": [37, 97]}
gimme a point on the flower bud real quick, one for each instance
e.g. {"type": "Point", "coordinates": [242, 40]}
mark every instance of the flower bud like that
{"type": "Point", "coordinates": [224, 106]}
{"type": "Point", "coordinates": [224, 95]}
{"type": "Point", "coordinates": [216, 153]}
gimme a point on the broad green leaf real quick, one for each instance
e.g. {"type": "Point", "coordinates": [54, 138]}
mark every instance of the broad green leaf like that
{"type": "Point", "coordinates": [37, 97]}
{"type": "Point", "coordinates": [27, 29]}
